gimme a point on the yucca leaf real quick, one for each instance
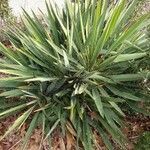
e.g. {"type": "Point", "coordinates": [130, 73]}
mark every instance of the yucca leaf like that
{"type": "Point", "coordinates": [113, 104]}
{"type": "Point", "coordinates": [123, 94]}
{"type": "Point", "coordinates": [87, 143]}
{"type": "Point", "coordinates": [112, 123]}
{"type": "Point", "coordinates": [10, 82]}
{"type": "Point", "coordinates": [98, 101]}
{"type": "Point", "coordinates": [109, 27]}
{"type": "Point", "coordinates": [30, 130]}
{"type": "Point", "coordinates": [103, 135]}
{"type": "Point", "coordinates": [137, 109]}
{"type": "Point", "coordinates": [116, 107]}
{"type": "Point", "coordinates": [81, 24]}
{"type": "Point", "coordinates": [57, 17]}
{"type": "Point", "coordinates": [52, 23]}
{"type": "Point", "coordinates": [129, 77]}
{"type": "Point", "coordinates": [41, 79]}
{"type": "Point", "coordinates": [9, 53]}
{"type": "Point", "coordinates": [107, 62]}
{"type": "Point", "coordinates": [127, 12]}
{"type": "Point", "coordinates": [17, 122]}
{"type": "Point", "coordinates": [99, 77]}
{"type": "Point", "coordinates": [66, 61]}
{"type": "Point", "coordinates": [18, 72]}
{"type": "Point", "coordinates": [117, 118]}
{"type": "Point", "coordinates": [127, 57]}
{"type": "Point", "coordinates": [11, 93]}
{"type": "Point", "coordinates": [43, 129]}
{"type": "Point", "coordinates": [78, 130]}
{"type": "Point", "coordinates": [33, 27]}
{"type": "Point", "coordinates": [105, 138]}
{"type": "Point", "coordinates": [112, 99]}
{"type": "Point", "coordinates": [130, 31]}
{"type": "Point", "coordinates": [116, 136]}
{"type": "Point", "coordinates": [52, 129]}
{"type": "Point", "coordinates": [11, 110]}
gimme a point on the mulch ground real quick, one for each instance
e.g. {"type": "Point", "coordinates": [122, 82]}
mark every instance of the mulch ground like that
{"type": "Point", "coordinates": [135, 126]}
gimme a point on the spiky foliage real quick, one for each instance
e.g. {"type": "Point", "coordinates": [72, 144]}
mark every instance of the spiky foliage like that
{"type": "Point", "coordinates": [74, 71]}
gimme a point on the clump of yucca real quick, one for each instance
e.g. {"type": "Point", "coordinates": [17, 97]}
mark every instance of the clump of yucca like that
{"type": "Point", "coordinates": [74, 71]}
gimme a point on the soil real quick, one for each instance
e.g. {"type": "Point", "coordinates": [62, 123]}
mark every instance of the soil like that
{"type": "Point", "coordinates": [135, 126]}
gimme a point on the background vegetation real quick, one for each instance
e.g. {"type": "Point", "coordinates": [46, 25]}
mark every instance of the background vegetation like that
{"type": "Point", "coordinates": [4, 9]}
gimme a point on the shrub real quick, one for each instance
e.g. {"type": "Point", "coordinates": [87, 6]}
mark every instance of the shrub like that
{"type": "Point", "coordinates": [4, 9]}
{"type": "Point", "coordinates": [6, 19]}
{"type": "Point", "coordinates": [143, 141]}
{"type": "Point", "coordinates": [74, 72]}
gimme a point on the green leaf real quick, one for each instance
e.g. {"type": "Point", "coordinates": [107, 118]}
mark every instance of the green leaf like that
{"type": "Point", "coordinates": [99, 77]}
{"type": "Point", "coordinates": [10, 82]}
{"type": "Point", "coordinates": [66, 61]}
{"type": "Point", "coordinates": [115, 134]}
{"type": "Point", "coordinates": [123, 94]}
{"type": "Point", "coordinates": [41, 79]}
{"type": "Point", "coordinates": [117, 108]}
{"type": "Point", "coordinates": [30, 131]}
{"type": "Point", "coordinates": [87, 143]}
{"type": "Point", "coordinates": [11, 93]}
{"type": "Point", "coordinates": [136, 108]}
{"type": "Point", "coordinates": [105, 138]}
{"type": "Point", "coordinates": [98, 101]}
{"type": "Point", "coordinates": [128, 77]}
{"type": "Point", "coordinates": [127, 57]}
{"type": "Point", "coordinates": [9, 53]}
{"type": "Point", "coordinates": [139, 24]}
{"type": "Point", "coordinates": [109, 27]}
{"type": "Point", "coordinates": [43, 129]}
{"type": "Point", "coordinates": [17, 122]}
{"type": "Point", "coordinates": [52, 129]}
{"type": "Point", "coordinates": [17, 108]}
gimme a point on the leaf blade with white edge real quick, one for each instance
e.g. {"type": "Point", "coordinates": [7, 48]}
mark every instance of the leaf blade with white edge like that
{"type": "Point", "coordinates": [123, 94]}
{"type": "Point", "coordinates": [66, 61]}
{"type": "Point", "coordinates": [17, 122]}
{"type": "Point", "coordinates": [17, 108]}
{"type": "Point", "coordinates": [41, 79]}
{"type": "Point", "coordinates": [98, 101]}
{"type": "Point", "coordinates": [128, 57]}
{"type": "Point", "coordinates": [11, 93]}
{"type": "Point", "coordinates": [52, 129]}
{"type": "Point", "coordinates": [129, 77]}
{"type": "Point", "coordinates": [116, 107]}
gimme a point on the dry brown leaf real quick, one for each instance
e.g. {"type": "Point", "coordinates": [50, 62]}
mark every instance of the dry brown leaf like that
{"type": "Point", "coordinates": [135, 128]}
{"type": "Point", "coordinates": [130, 146]}
{"type": "Point", "coordinates": [70, 129]}
{"type": "Point", "coordinates": [70, 141]}
{"type": "Point", "coordinates": [37, 135]}
{"type": "Point", "coordinates": [62, 144]}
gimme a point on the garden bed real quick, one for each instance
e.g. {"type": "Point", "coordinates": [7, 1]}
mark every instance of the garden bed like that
{"type": "Point", "coordinates": [135, 126]}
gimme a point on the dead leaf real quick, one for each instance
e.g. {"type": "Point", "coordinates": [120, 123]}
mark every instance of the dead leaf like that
{"type": "Point", "coordinates": [62, 144]}
{"type": "Point", "coordinates": [70, 141]}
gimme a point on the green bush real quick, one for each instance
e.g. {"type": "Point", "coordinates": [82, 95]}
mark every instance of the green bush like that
{"type": "Point", "coordinates": [74, 72]}
{"type": "Point", "coordinates": [143, 142]}
{"type": "Point", "coordinates": [4, 9]}
{"type": "Point", "coordinates": [6, 19]}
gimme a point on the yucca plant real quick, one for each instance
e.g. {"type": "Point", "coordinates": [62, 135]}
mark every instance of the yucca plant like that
{"type": "Point", "coordinates": [75, 70]}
